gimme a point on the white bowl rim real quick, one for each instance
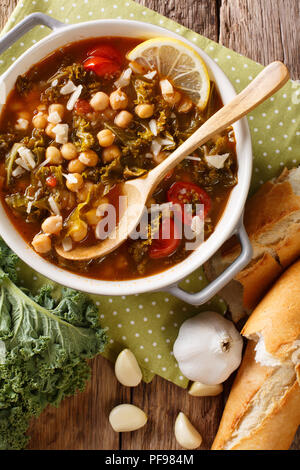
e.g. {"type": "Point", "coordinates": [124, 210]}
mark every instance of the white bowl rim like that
{"type": "Point", "coordinates": [222, 232]}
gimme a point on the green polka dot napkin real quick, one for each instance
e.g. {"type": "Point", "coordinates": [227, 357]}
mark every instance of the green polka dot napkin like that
{"type": "Point", "coordinates": [148, 323]}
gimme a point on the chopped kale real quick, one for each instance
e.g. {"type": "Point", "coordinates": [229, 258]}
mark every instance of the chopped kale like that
{"type": "Point", "coordinates": [23, 85]}
{"type": "Point", "coordinates": [145, 90]}
{"type": "Point", "coordinates": [81, 133]}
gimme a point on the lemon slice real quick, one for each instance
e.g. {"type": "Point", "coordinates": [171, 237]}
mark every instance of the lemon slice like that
{"type": "Point", "coordinates": [177, 61]}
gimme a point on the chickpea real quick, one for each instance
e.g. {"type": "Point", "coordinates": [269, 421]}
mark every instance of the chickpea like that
{"type": "Point", "coordinates": [106, 138]}
{"type": "Point", "coordinates": [41, 107]}
{"type": "Point", "coordinates": [52, 225]}
{"type": "Point", "coordinates": [53, 155]}
{"type": "Point", "coordinates": [69, 151]}
{"type": "Point", "coordinates": [74, 182]}
{"type": "Point", "coordinates": [174, 98]}
{"type": "Point", "coordinates": [40, 121]}
{"type": "Point", "coordinates": [58, 108]}
{"type": "Point", "coordinates": [100, 101]}
{"type": "Point", "coordinates": [110, 153]}
{"type": "Point", "coordinates": [103, 202]}
{"type": "Point", "coordinates": [118, 99]}
{"type": "Point", "coordinates": [89, 158]}
{"type": "Point", "coordinates": [123, 119]}
{"type": "Point", "coordinates": [79, 231]}
{"type": "Point", "coordinates": [160, 157]}
{"type": "Point", "coordinates": [68, 200]}
{"type": "Point", "coordinates": [49, 130]}
{"type": "Point", "coordinates": [42, 243]}
{"type": "Point", "coordinates": [84, 191]}
{"type": "Point", "coordinates": [75, 166]}
{"type": "Point", "coordinates": [144, 111]}
{"type": "Point", "coordinates": [185, 105]}
{"type": "Point", "coordinates": [24, 115]}
{"type": "Point", "coordinates": [92, 217]}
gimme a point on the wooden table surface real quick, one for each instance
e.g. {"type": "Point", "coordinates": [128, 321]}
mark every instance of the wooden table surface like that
{"type": "Point", "coordinates": [263, 30]}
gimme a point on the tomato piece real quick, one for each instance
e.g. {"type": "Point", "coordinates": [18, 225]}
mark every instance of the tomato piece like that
{"type": "Point", "coordinates": [165, 245]}
{"type": "Point", "coordinates": [82, 107]}
{"type": "Point", "coordinates": [182, 193]}
{"type": "Point", "coordinates": [101, 66]}
{"type": "Point", "coordinates": [51, 181]}
{"type": "Point", "coordinates": [106, 51]}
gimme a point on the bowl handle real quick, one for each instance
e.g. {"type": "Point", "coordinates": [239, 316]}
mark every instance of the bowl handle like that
{"type": "Point", "coordinates": [215, 286]}
{"type": "Point", "coordinates": [26, 25]}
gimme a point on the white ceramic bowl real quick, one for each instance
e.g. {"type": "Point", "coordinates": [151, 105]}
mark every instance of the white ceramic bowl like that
{"type": "Point", "coordinates": [230, 220]}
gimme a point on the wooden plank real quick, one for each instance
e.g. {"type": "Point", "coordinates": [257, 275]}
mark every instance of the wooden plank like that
{"type": "Point", "coordinates": [289, 16]}
{"type": "Point", "coordinates": [199, 15]}
{"type": "Point", "coordinates": [263, 30]}
{"type": "Point", "coordinates": [81, 422]}
{"type": "Point", "coordinates": [6, 9]}
{"type": "Point", "coordinates": [162, 401]}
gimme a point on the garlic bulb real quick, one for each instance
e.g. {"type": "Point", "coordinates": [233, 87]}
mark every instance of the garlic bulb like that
{"type": "Point", "coordinates": [208, 348]}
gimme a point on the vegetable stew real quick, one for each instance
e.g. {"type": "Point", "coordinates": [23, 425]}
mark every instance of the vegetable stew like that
{"type": "Point", "coordinates": [86, 119]}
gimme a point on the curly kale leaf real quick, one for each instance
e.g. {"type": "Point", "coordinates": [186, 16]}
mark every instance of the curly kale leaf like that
{"type": "Point", "coordinates": [10, 161]}
{"type": "Point", "coordinates": [44, 345]}
{"type": "Point", "coordinates": [78, 75]}
{"type": "Point", "coordinates": [8, 261]}
{"type": "Point", "coordinates": [112, 174]}
{"type": "Point", "coordinates": [133, 172]}
{"type": "Point", "coordinates": [81, 134]}
{"type": "Point", "coordinates": [145, 90]}
{"type": "Point", "coordinates": [6, 142]}
{"type": "Point", "coordinates": [23, 85]}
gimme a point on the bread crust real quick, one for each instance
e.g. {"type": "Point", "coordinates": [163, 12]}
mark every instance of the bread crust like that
{"type": "Point", "coordinates": [273, 204]}
{"type": "Point", "coordinates": [277, 430]}
{"type": "Point", "coordinates": [277, 320]}
{"type": "Point", "coordinates": [257, 278]}
{"type": "Point", "coordinates": [272, 221]}
{"type": "Point", "coordinates": [277, 317]}
{"type": "Point", "coordinates": [248, 381]}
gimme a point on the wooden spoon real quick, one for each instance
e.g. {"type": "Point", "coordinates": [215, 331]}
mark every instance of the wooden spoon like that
{"type": "Point", "coordinates": [137, 191]}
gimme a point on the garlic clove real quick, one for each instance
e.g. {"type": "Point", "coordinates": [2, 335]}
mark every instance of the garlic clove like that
{"type": "Point", "coordinates": [127, 370]}
{"type": "Point", "coordinates": [202, 390]}
{"type": "Point", "coordinates": [126, 418]}
{"type": "Point", "coordinates": [186, 435]}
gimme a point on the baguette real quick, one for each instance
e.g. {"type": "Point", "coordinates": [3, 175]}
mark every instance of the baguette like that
{"type": "Point", "coordinates": [263, 408]}
{"type": "Point", "coordinates": [272, 221]}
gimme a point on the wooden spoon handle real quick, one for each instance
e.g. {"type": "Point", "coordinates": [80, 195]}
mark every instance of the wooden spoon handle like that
{"type": "Point", "coordinates": [270, 80]}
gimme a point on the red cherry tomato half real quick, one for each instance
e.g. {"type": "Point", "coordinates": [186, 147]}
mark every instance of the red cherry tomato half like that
{"type": "Point", "coordinates": [51, 181]}
{"type": "Point", "coordinates": [182, 193]}
{"type": "Point", "coordinates": [101, 66]}
{"type": "Point", "coordinates": [168, 241]}
{"type": "Point", "coordinates": [82, 107]}
{"type": "Point", "coordinates": [106, 51]}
